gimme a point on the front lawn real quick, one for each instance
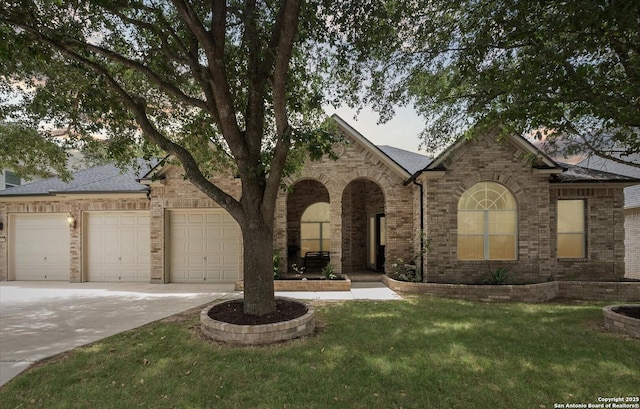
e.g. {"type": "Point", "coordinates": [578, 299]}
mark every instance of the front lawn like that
{"type": "Point", "coordinates": [422, 352]}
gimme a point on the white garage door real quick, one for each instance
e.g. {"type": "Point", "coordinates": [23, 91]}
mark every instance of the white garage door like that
{"type": "Point", "coordinates": [39, 246]}
{"type": "Point", "coordinates": [117, 246]}
{"type": "Point", "coordinates": [204, 246]}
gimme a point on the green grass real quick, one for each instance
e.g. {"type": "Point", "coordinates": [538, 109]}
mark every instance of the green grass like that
{"type": "Point", "coordinates": [419, 353]}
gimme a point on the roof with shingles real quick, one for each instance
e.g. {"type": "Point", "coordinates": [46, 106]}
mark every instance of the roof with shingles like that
{"type": "Point", "coordinates": [99, 179]}
{"type": "Point", "coordinates": [631, 193]}
{"type": "Point", "coordinates": [410, 161]}
{"type": "Point", "coordinates": [577, 173]}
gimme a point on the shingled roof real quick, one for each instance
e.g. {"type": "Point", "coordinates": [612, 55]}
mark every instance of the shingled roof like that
{"type": "Point", "coordinates": [631, 193]}
{"type": "Point", "coordinates": [99, 179]}
{"type": "Point", "coordinates": [410, 161]}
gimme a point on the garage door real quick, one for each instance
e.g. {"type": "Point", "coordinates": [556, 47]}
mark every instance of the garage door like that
{"type": "Point", "coordinates": [39, 247]}
{"type": "Point", "coordinates": [117, 246]}
{"type": "Point", "coordinates": [204, 246]}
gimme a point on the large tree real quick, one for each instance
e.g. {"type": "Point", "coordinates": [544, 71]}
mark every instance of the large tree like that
{"type": "Point", "coordinates": [566, 71]}
{"type": "Point", "coordinates": [216, 85]}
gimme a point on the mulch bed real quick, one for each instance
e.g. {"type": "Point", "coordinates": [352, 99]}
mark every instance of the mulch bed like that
{"type": "Point", "coordinates": [633, 312]}
{"type": "Point", "coordinates": [232, 312]}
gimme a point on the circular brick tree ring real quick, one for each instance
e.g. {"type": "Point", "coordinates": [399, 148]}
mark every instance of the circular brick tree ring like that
{"type": "Point", "coordinates": [615, 320]}
{"type": "Point", "coordinates": [258, 334]}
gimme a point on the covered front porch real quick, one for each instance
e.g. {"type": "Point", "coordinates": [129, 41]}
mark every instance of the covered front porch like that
{"type": "Point", "coordinates": [345, 228]}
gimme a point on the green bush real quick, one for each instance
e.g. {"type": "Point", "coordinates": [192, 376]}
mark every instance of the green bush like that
{"type": "Point", "coordinates": [499, 276]}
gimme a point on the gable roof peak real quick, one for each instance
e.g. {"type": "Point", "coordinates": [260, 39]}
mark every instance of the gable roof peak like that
{"type": "Point", "coordinates": [540, 159]}
{"type": "Point", "coordinates": [349, 131]}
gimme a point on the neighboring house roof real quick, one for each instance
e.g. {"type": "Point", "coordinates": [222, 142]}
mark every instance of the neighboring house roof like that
{"type": "Point", "coordinates": [410, 161]}
{"type": "Point", "coordinates": [631, 193]}
{"type": "Point", "coordinates": [99, 179]}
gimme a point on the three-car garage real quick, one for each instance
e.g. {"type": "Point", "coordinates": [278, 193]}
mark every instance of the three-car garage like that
{"type": "Point", "coordinates": [201, 245]}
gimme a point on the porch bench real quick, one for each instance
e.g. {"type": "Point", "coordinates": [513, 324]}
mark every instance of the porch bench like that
{"type": "Point", "coordinates": [316, 259]}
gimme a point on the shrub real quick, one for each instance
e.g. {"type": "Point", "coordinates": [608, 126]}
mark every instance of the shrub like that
{"type": "Point", "coordinates": [499, 276]}
{"type": "Point", "coordinates": [405, 272]}
{"type": "Point", "coordinates": [276, 265]}
{"type": "Point", "coordinates": [328, 273]}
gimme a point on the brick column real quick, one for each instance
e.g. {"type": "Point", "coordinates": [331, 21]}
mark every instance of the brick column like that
{"type": "Point", "coordinates": [335, 224]}
{"type": "Point", "coordinates": [75, 247]}
{"type": "Point", "coordinates": [280, 238]}
{"type": "Point", "coordinates": [157, 242]}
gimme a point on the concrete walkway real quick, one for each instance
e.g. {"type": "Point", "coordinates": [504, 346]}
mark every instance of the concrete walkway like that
{"type": "Point", "coordinates": [42, 319]}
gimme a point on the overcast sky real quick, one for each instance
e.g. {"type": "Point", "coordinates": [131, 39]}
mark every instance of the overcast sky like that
{"type": "Point", "coordinates": [400, 132]}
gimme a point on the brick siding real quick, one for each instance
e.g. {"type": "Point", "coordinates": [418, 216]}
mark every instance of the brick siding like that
{"type": "Point", "coordinates": [484, 159]}
{"type": "Point", "coordinates": [632, 242]}
{"type": "Point", "coordinates": [359, 183]}
{"type": "Point", "coordinates": [64, 206]}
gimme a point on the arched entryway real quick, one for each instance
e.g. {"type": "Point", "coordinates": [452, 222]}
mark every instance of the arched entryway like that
{"type": "Point", "coordinates": [363, 227]}
{"type": "Point", "coordinates": [308, 223]}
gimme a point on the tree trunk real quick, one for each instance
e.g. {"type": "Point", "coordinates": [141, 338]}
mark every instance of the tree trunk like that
{"type": "Point", "coordinates": [257, 240]}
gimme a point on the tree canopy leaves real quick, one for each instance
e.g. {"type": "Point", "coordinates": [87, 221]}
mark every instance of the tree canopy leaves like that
{"type": "Point", "coordinates": [566, 71]}
{"type": "Point", "coordinates": [216, 85]}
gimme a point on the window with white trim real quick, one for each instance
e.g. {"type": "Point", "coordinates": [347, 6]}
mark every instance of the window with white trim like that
{"type": "Point", "coordinates": [10, 179]}
{"type": "Point", "coordinates": [487, 223]}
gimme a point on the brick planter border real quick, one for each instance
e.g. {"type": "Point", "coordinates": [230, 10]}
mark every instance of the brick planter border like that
{"type": "Point", "coordinates": [258, 334]}
{"type": "Point", "coordinates": [306, 285]}
{"type": "Point", "coordinates": [541, 292]}
{"type": "Point", "coordinates": [613, 321]}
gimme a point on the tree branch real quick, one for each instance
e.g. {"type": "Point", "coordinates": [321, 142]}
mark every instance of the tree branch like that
{"type": "Point", "coordinates": [286, 27]}
{"type": "Point", "coordinates": [213, 45]}
{"type": "Point", "coordinates": [138, 108]}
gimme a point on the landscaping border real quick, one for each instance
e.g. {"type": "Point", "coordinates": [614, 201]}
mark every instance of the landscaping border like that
{"type": "Point", "coordinates": [306, 285]}
{"type": "Point", "coordinates": [614, 321]}
{"type": "Point", "coordinates": [258, 334]}
{"type": "Point", "coordinates": [533, 293]}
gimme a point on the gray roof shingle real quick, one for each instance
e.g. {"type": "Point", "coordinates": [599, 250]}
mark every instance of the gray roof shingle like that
{"type": "Point", "coordinates": [576, 173]}
{"type": "Point", "coordinates": [410, 161]}
{"type": "Point", "coordinates": [99, 179]}
{"type": "Point", "coordinates": [631, 193]}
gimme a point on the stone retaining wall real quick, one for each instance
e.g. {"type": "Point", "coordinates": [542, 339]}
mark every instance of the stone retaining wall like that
{"type": "Point", "coordinates": [620, 323]}
{"type": "Point", "coordinates": [600, 291]}
{"type": "Point", "coordinates": [542, 292]}
{"type": "Point", "coordinates": [306, 285]}
{"type": "Point", "coordinates": [258, 334]}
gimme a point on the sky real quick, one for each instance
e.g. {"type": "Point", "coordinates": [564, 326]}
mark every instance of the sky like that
{"type": "Point", "coordinates": [400, 132]}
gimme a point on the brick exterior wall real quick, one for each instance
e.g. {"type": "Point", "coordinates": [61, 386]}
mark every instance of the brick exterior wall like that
{"type": "Point", "coordinates": [604, 260]}
{"type": "Point", "coordinates": [632, 243]}
{"type": "Point", "coordinates": [354, 185]}
{"type": "Point", "coordinates": [173, 192]}
{"type": "Point", "coordinates": [484, 159]}
{"type": "Point", "coordinates": [357, 184]}
{"type": "Point", "coordinates": [360, 183]}
{"type": "Point", "coordinates": [63, 206]}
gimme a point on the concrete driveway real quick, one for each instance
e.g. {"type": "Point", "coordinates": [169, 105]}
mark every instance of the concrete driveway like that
{"type": "Point", "coordinates": [41, 319]}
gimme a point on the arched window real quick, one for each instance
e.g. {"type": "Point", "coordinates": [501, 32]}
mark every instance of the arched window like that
{"type": "Point", "coordinates": [487, 223]}
{"type": "Point", "coordinates": [314, 228]}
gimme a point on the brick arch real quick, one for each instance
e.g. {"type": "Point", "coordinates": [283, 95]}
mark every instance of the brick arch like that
{"type": "Point", "coordinates": [319, 177]}
{"type": "Point", "coordinates": [309, 191]}
{"type": "Point", "coordinates": [508, 182]}
{"type": "Point", "coordinates": [379, 179]}
{"type": "Point", "coordinates": [361, 198]}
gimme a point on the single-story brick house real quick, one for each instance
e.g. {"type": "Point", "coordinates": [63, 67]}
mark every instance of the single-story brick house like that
{"type": "Point", "coordinates": [480, 205]}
